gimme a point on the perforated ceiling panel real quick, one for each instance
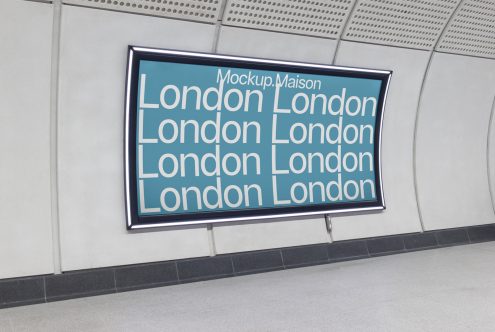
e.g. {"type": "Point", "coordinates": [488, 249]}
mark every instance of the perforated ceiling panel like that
{"type": "Point", "coordinates": [194, 10]}
{"type": "Point", "coordinates": [472, 30]}
{"type": "Point", "coordinates": [324, 18]}
{"type": "Point", "coordinates": [407, 23]}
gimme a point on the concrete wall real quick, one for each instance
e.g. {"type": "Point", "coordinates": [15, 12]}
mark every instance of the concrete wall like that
{"type": "Point", "coordinates": [91, 127]}
{"type": "Point", "coordinates": [25, 206]}
{"type": "Point", "coordinates": [272, 45]}
{"type": "Point", "coordinates": [452, 137]}
{"type": "Point", "coordinates": [436, 139]}
{"type": "Point", "coordinates": [401, 215]}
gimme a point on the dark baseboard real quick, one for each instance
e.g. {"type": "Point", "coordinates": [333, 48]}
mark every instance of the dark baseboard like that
{"type": "Point", "coordinates": [48, 288]}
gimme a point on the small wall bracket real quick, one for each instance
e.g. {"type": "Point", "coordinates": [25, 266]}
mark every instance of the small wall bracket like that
{"type": "Point", "coordinates": [328, 223]}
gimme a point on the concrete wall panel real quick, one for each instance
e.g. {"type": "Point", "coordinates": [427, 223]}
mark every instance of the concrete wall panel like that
{"type": "Point", "coordinates": [275, 45]}
{"type": "Point", "coordinates": [408, 66]}
{"type": "Point", "coordinates": [491, 153]}
{"type": "Point", "coordinates": [263, 235]}
{"type": "Point", "coordinates": [91, 141]}
{"type": "Point", "coordinates": [25, 217]}
{"type": "Point", "coordinates": [452, 142]}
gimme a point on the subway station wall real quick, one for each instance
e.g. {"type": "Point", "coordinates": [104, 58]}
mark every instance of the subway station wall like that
{"type": "Point", "coordinates": [91, 129]}
{"type": "Point", "coordinates": [438, 138]}
{"type": "Point", "coordinates": [408, 66]}
{"type": "Point", "coordinates": [25, 205]}
{"type": "Point", "coordinates": [453, 126]}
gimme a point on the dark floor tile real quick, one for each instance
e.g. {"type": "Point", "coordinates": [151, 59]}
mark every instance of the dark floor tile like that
{"type": "Point", "coordinates": [204, 268]}
{"type": "Point", "coordinates": [481, 233]}
{"type": "Point", "coordinates": [347, 250]}
{"type": "Point", "coordinates": [419, 241]}
{"type": "Point", "coordinates": [20, 304]}
{"type": "Point", "coordinates": [77, 284]}
{"type": "Point", "coordinates": [306, 255]}
{"type": "Point", "coordinates": [257, 261]}
{"type": "Point", "coordinates": [452, 236]}
{"type": "Point", "coordinates": [139, 276]}
{"type": "Point", "coordinates": [21, 291]}
{"type": "Point", "coordinates": [385, 245]}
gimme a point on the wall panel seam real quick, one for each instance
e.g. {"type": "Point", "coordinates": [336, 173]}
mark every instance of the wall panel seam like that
{"type": "Point", "coordinates": [218, 27]}
{"type": "Point", "coordinates": [328, 219]}
{"type": "Point", "coordinates": [416, 120]}
{"type": "Point", "coordinates": [488, 164]}
{"type": "Point", "coordinates": [54, 83]}
{"type": "Point", "coordinates": [415, 137]}
{"type": "Point", "coordinates": [344, 27]}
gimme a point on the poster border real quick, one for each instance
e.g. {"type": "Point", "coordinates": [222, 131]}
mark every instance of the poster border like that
{"type": "Point", "coordinates": [136, 54]}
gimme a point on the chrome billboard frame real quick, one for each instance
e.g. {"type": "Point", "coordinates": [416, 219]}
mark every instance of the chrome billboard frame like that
{"type": "Point", "coordinates": [136, 54]}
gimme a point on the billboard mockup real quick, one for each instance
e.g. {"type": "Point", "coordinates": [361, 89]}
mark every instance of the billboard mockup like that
{"type": "Point", "coordinates": [212, 138]}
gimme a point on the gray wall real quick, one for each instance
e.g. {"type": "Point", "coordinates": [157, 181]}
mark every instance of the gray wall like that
{"type": "Point", "coordinates": [62, 74]}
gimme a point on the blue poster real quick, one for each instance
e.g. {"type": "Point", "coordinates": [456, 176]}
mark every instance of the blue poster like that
{"type": "Point", "coordinates": [213, 138]}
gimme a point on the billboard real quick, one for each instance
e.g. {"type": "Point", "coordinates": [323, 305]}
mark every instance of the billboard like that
{"type": "Point", "coordinates": [213, 138]}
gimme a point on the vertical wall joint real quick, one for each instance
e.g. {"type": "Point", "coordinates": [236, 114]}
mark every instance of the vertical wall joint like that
{"type": "Point", "coordinates": [488, 148]}
{"type": "Point", "coordinates": [418, 108]}
{"type": "Point", "coordinates": [54, 79]}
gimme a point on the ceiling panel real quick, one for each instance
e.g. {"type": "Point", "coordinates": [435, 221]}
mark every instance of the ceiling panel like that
{"type": "Point", "coordinates": [406, 23]}
{"type": "Point", "coordinates": [323, 18]}
{"type": "Point", "coordinates": [472, 30]}
{"type": "Point", "coordinates": [194, 10]}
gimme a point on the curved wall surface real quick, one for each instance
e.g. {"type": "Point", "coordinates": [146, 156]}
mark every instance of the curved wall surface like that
{"type": "Point", "coordinates": [62, 92]}
{"type": "Point", "coordinates": [451, 151]}
{"type": "Point", "coordinates": [491, 154]}
{"type": "Point", "coordinates": [272, 45]}
{"type": "Point", "coordinates": [408, 67]}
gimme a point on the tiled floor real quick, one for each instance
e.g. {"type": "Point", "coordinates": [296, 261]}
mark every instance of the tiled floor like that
{"type": "Point", "coordinates": [449, 289]}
